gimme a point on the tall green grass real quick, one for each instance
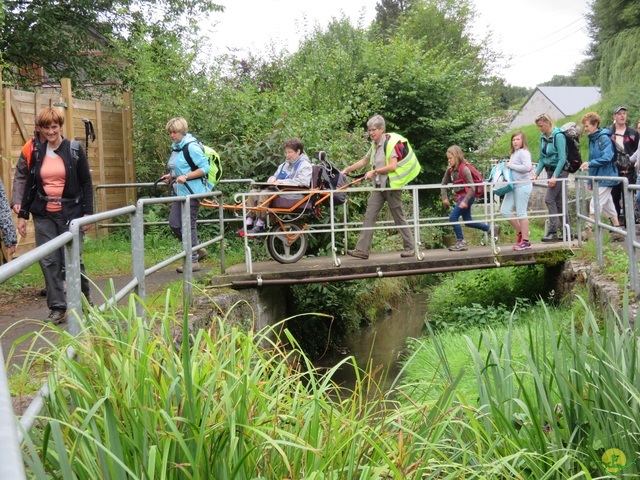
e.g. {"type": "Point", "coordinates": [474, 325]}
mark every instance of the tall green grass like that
{"type": "Point", "coordinates": [136, 403]}
{"type": "Point", "coordinates": [568, 391]}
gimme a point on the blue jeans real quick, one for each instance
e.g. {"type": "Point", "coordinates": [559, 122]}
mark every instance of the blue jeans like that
{"type": "Point", "coordinates": [465, 213]}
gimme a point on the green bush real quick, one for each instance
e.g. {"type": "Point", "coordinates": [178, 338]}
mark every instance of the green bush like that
{"type": "Point", "coordinates": [482, 297]}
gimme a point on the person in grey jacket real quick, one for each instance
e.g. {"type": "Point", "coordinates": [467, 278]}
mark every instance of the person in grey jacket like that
{"type": "Point", "coordinates": [600, 164]}
{"type": "Point", "coordinates": [9, 235]}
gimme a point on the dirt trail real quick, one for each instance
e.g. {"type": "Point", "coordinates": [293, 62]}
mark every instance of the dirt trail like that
{"type": "Point", "coordinates": [22, 313]}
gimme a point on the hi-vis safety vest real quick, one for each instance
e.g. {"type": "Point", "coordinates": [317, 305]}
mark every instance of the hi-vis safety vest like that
{"type": "Point", "coordinates": [408, 167]}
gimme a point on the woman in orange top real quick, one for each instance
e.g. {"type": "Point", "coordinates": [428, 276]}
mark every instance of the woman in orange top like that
{"type": "Point", "coordinates": [58, 189]}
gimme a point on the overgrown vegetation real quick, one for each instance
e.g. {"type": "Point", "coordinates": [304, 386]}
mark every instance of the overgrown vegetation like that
{"type": "Point", "coordinates": [549, 386]}
{"type": "Point", "coordinates": [232, 404]}
{"type": "Point", "coordinates": [484, 297]}
{"type": "Point", "coordinates": [344, 308]}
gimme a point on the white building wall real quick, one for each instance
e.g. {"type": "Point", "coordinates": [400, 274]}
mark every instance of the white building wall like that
{"type": "Point", "coordinates": [536, 105]}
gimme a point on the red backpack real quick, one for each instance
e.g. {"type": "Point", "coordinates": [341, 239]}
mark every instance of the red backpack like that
{"type": "Point", "coordinates": [477, 179]}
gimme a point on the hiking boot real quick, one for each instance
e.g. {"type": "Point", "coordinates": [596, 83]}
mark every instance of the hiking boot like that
{"type": "Point", "coordinates": [408, 253]}
{"type": "Point", "coordinates": [550, 237]}
{"type": "Point", "coordinates": [523, 245]}
{"type": "Point", "coordinates": [202, 253]}
{"type": "Point", "coordinates": [459, 246]}
{"type": "Point", "coordinates": [358, 254]}
{"type": "Point", "coordinates": [56, 316]}
{"type": "Point", "coordinates": [616, 237]}
{"type": "Point", "coordinates": [195, 267]}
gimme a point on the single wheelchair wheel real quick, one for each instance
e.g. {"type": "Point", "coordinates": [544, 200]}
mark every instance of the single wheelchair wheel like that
{"type": "Point", "coordinates": [288, 245]}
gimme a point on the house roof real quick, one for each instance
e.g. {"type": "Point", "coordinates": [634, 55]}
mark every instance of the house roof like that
{"type": "Point", "coordinates": [570, 100]}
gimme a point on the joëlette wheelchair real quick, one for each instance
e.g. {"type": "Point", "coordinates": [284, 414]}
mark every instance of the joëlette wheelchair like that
{"type": "Point", "coordinates": [289, 217]}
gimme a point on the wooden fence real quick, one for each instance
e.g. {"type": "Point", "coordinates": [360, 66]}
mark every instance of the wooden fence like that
{"type": "Point", "coordinates": [110, 155]}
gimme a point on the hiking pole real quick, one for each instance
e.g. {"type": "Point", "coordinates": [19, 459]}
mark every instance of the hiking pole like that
{"type": "Point", "coordinates": [88, 133]}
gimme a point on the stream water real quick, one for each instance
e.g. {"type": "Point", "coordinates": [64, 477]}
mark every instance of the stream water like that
{"type": "Point", "coordinates": [381, 344]}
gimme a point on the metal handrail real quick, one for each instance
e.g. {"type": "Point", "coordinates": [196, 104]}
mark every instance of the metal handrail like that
{"type": "Point", "coordinates": [489, 214]}
{"type": "Point", "coordinates": [11, 465]}
{"type": "Point", "coordinates": [139, 185]}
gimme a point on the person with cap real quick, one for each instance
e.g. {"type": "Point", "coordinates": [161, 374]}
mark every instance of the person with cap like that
{"type": "Point", "coordinates": [626, 138]}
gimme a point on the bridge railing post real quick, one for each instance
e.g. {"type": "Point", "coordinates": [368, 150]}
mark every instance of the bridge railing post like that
{"type": "Point", "coordinates": [630, 237]}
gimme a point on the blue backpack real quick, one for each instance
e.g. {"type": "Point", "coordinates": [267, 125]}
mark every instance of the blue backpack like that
{"type": "Point", "coordinates": [501, 179]}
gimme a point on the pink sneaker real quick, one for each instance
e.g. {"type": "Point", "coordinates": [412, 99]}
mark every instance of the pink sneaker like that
{"type": "Point", "coordinates": [523, 245]}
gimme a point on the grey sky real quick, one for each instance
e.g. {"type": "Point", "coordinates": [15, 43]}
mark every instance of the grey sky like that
{"type": "Point", "coordinates": [542, 37]}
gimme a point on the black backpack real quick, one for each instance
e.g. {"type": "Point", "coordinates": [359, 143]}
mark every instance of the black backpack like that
{"type": "Point", "coordinates": [571, 132]}
{"type": "Point", "coordinates": [621, 158]}
{"type": "Point", "coordinates": [332, 177]}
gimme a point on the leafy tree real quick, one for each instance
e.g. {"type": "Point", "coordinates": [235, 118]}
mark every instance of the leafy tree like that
{"type": "Point", "coordinates": [74, 38]}
{"type": "Point", "coordinates": [434, 102]}
{"type": "Point", "coordinates": [610, 17]}
{"type": "Point", "coordinates": [561, 81]}
{"type": "Point", "coordinates": [615, 31]}
{"type": "Point", "coordinates": [505, 96]}
{"type": "Point", "coordinates": [586, 73]}
{"type": "Point", "coordinates": [388, 13]}
{"type": "Point", "coordinates": [162, 77]}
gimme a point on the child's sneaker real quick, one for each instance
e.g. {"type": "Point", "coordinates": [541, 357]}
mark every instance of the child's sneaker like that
{"type": "Point", "coordinates": [523, 245]}
{"type": "Point", "coordinates": [459, 246]}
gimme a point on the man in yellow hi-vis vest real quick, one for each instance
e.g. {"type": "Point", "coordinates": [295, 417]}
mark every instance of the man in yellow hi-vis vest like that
{"type": "Point", "coordinates": [392, 165]}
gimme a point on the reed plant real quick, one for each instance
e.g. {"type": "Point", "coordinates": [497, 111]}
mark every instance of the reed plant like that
{"type": "Point", "coordinates": [573, 398]}
{"type": "Point", "coordinates": [135, 403]}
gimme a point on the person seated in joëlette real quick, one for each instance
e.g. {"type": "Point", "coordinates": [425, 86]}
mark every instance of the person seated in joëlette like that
{"type": "Point", "coordinates": [296, 171]}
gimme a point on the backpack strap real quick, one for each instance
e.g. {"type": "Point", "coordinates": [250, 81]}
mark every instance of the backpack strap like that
{"type": "Point", "coordinates": [295, 169]}
{"type": "Point", "coordinates": [75, 150]}
{"type": "Point", "coordinates": [31, 153]}
{"type": "Point", "coordinates": [187, 156]}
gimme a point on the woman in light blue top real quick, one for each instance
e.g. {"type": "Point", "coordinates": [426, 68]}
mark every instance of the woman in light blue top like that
{"type": "Point", "coordinates": [186, 181]}
{"type": "Point", "coordinates": [520, 165]}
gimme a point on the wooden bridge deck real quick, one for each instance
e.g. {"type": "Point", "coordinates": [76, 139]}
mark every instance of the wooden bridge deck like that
{"type": "Point", "coordinates": [378, 265]}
